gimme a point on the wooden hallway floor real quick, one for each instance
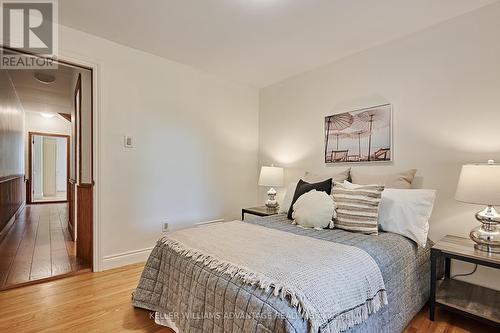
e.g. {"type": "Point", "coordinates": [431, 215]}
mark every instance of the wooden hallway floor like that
{"type": "Point", "coordinates": [38, 246]}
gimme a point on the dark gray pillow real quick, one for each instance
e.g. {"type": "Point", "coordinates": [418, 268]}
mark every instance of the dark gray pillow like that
{"type": "Point", "coordinates": [304, 187]}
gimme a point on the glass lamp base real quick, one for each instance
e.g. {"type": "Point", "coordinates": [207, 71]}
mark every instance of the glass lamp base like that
{"type": "Point", "coordinates": [272, 203]}
{"type": "Point", "coordinates": [487, 235]}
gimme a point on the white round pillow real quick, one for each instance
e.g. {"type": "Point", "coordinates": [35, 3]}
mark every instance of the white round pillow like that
{"type": "Point", "coordinates": [314, 209]}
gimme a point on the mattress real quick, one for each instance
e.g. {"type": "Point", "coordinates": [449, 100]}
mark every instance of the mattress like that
{"type": "Point", "coordinates": [215, 302]}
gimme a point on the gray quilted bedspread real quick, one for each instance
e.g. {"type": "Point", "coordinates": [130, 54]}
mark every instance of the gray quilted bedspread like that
{"type": "Point", "coordinates": [214, 302]}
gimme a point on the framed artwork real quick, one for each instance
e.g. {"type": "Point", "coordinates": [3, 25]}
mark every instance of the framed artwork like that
{"type": "Point", "coordinates": [359, 136]}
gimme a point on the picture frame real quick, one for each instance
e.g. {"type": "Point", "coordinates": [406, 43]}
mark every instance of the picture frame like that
{"type": "Point", "coordinates": [359, 136]}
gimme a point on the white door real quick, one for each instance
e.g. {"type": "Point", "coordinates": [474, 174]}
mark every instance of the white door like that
{"type": "Point", "coordinates": [49, 166]}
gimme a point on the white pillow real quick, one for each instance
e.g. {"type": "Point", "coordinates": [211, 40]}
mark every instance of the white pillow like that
{"type": "Point", "coordinates": [314, 209]}
{"type": "Point", "coordinates": [287, 200]}
{"type": "Point", "coordinates": [405, 212]}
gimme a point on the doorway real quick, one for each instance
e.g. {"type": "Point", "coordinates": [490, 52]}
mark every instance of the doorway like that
{"type": "Point", "coordinates": [52, 236]}
{"type": "Point", "coordinates": [49, 167]}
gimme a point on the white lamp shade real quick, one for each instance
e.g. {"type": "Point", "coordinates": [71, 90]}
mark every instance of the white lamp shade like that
{"type": "Point", "coordinates": [479, 184]}
{"type": "Point", "coordinates": [271, 176]}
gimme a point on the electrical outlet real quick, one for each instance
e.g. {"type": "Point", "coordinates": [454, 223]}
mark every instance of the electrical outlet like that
{"type": "Point", "coordinates": [164, 227]}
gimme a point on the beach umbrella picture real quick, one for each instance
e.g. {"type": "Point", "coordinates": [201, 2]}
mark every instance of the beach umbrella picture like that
{"type": "Point", "coordinates": [336, 123]}
{"type": "Point", "coordinates": [357, 135]}
{"type": "Point", "coordinates": [335, 151]}
{"type": "Point", "coordinates": [361, 135]}
{"type": "Point", "coordinates": [339, 135]}
{"type": "Point", "coordinates": [372, 120]}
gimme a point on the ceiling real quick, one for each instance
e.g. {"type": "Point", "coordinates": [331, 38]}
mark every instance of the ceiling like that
{"type": "Point", "coordinates": [35, 96]}
{"type": "Point", "coordinates": [257, 42]}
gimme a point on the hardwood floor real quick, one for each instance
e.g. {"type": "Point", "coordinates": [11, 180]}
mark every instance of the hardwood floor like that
{"type": "Point", "coordinates": [38, 246]}
{"type": "Point", "coordinates": [101, 302]}
{"type": "Point", "coordinates": [446, 322]}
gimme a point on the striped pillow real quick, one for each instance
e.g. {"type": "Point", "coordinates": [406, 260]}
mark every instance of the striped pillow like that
{"type": "Point", "coordinates": [357, 209]}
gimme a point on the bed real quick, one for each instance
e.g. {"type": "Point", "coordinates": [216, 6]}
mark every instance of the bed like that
{"type": "Point", "coordinates": [230, 305]}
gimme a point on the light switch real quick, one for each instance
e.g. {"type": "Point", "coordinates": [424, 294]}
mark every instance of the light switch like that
{"type": "Point", "coordinates": [128, 142]}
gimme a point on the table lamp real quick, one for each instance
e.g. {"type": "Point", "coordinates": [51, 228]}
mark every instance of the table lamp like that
{"type": "Point", "coordinates": [480, 184]}
{"type": "Point", "coordinates": [271, 176]}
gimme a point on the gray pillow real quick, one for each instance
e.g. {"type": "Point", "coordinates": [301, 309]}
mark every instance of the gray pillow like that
{"type": "Point", "coordinates": [335, 175]}
{"type": "Point", "coordinates": [400, 180]}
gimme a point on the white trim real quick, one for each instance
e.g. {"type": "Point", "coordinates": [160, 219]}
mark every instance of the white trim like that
{"type": "Point", "coordinates": [210, 222]}
{"type": "Point", "coordinates": [125, 258]}
{"type": "Point", "coordinates": [97, 107]}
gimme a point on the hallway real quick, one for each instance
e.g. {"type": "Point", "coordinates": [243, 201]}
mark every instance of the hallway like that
{"type": "Point", "coordinates": [38, 246]}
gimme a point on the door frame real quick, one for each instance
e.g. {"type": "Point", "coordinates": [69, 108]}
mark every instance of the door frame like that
{"type": "Point", "coordinates": [95, 67]}
{"type": "Point", "coordinates": [29, 183]}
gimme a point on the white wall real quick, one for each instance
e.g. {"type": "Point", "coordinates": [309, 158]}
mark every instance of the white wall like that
{"type": "Point", "coordinates": [444, 86]}
{"type": "Point", "coordinates": [11, 129]}
{"type": "Point", "coordinates": [195, 136]}
{"type": "Point", "coordinates": [86, 146]}
{"type": "Point", "coordinates": [86, 126]}
{"type": "Point", "coordinates": [55, 125]}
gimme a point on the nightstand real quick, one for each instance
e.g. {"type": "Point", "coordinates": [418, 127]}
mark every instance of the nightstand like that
{"type": "Point", "coordinates": [461, 297]}
{"type": "Point", "coordinates": [259, 211]}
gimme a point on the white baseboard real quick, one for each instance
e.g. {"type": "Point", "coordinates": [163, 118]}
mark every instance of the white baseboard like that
{"type": "Point", "coordinates": [209, 222]}
{"type": "Point", "coordinates": [136, 256]}
{"type": "Point", "coordinates": [125, 258]}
